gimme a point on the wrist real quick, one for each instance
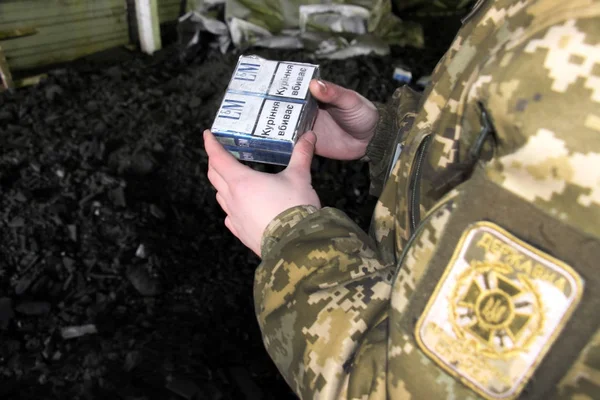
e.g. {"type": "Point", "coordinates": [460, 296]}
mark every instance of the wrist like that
{"type": "Point", "coordinates": [358, 146]}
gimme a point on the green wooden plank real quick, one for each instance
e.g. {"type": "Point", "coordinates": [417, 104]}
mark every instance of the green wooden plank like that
{"type": "Point", "coordinates": [168, 7]}
{"type": "Point", "coordinates": [6, 34]}
{"type": "Point", "coordinates": [41, 8]}
{"type": "Point", "coordinates": [156, 24]}
{"type": "Point", "coordinates": [168, 3]}
{"type": "Point", "coordinates": [61, 32]}
{"type": "Point", "coordinates": [61, 18]}
{"type": "Point", "coordinates": [72, 42]}
{"type": "Point", "coordinates": [168, 14]}
{"type": "Point", "coordinates": [69, 54]}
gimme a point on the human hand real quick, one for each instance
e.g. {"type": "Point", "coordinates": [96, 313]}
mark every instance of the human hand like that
{"type": "Point", "coordinates": [345, 121]}
{"type": "Point", "coordinates": [252, 199]}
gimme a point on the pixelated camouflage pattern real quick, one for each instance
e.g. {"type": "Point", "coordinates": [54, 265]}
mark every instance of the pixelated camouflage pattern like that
{"type": "Point", "coordinates": [330, 298]}
{"type": "Point", "coordinates": [582, 381]}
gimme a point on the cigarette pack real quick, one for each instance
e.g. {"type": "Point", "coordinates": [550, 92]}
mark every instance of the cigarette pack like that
{"type": "Point", "coordinates": [267, 106]}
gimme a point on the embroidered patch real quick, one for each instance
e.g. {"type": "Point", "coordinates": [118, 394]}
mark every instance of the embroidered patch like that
{"type": "Point", "coordinates": [498, 308]}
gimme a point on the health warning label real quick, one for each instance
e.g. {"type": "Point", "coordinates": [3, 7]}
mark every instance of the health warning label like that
{"type": "Point", "coordinates": [278, 120]}
{"type": "Point", "coordinates": [291, 80]}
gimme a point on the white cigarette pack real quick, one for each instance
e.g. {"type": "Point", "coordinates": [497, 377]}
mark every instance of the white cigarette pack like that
{"type": "Point", "coordinates": [267, 106]}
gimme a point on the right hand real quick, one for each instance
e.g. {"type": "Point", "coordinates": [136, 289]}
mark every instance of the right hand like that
{"type": "Point", "coordinates": [345, 122]}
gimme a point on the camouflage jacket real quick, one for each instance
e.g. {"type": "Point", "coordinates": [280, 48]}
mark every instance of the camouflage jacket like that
{"type": "Point", "coordinates": [479, 277]}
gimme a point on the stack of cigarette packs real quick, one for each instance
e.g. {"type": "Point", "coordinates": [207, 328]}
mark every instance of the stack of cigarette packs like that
{"type": "Point", "coordinates": [266, 108]}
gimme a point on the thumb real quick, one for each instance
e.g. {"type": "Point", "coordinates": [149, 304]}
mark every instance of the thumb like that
{"type": "Point", "coordinates": [334, 95]}
{"type": "Point", "coordinates": [303, 152]}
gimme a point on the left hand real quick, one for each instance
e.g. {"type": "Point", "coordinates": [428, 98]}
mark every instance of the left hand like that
{"type": "Point", "coordinates": [252, 199]}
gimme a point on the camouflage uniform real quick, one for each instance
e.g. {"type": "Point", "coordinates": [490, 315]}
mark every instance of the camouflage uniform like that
{"type": "Point", "coordinates": [479, 276]}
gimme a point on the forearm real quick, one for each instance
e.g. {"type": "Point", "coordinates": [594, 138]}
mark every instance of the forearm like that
{"type": "Point", "coordinates": [319, 291]}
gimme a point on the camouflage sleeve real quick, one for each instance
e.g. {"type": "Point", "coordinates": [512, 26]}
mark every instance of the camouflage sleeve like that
{"type": "Point", "coordinates": [319, 292]}
{"type": "Point", "coordinates": [395, 120]}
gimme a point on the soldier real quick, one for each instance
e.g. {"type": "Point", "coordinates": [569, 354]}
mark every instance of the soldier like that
{"type": "Point", "coordinates": [479, 277]}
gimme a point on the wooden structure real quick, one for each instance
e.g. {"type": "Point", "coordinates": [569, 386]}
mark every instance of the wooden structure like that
{"type": "Point", "coordinates": [169, 10]}
{"type": "Point", "coordinates": [5, 76]}
{"type": "Point", "coordinates": [36, 33]}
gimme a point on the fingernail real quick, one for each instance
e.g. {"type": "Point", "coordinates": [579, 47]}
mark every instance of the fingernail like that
{"type": "Point", "coordinates": [322, 85]}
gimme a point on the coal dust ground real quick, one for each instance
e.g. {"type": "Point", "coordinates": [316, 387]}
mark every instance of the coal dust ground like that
{"type": "Point", "coordinates": [118, 279]}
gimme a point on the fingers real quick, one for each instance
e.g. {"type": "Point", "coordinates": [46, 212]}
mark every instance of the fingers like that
{"type": "Point", "coordinates": [222, 167]}
{"type": "Point", "coordinates": [303, 153]}
{"type": "Point", "coordinates": [335, 95]}
{"type": "Point", "coordinates": [220, 159]}
{"type": "Point", "coordinates": [222, 203]}
{"type": "Point", "coordinates": [217, 180]}
{"type": "Point", "coordinates": [230, 226]}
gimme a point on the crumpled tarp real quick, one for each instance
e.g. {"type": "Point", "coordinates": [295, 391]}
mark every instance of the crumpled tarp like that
{"type": "Point", "coordinates": [342, 29]}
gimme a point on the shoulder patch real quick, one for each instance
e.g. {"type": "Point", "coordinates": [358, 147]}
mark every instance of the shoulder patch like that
{"type": "Point", "coordinates": [496, 311]}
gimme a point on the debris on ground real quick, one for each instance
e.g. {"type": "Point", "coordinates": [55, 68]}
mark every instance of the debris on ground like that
{"type": "Point", "coordinates": [340, 30]}
{"type": "Point", "coordinates": [402, 75]}
{"type": "Point", "coordinates": [71, 332]}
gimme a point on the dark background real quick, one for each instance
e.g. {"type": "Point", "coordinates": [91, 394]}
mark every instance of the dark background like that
{"type": "Point", "coordinates": [105, 156]}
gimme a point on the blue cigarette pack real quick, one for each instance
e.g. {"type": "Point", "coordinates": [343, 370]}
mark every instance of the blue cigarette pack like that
{"type": "Point", "coordinates": [266, 108]}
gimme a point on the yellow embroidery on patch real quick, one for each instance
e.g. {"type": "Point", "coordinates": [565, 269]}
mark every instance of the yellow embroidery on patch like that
{"type": "Point", "coordinates": [497, 310]}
